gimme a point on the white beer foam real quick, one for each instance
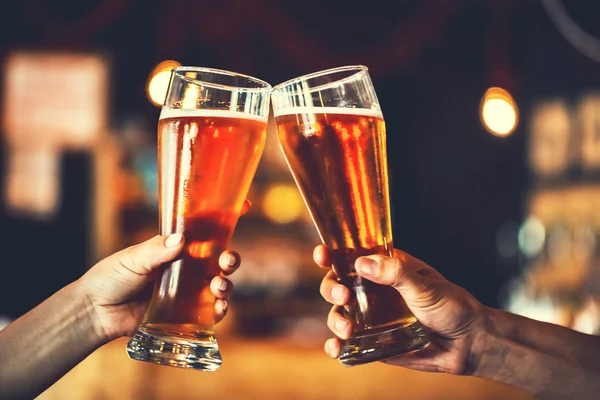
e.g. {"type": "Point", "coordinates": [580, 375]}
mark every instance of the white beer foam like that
{"type": "Point", "coordinates": [363, 112]}
{"type": "Point", "coordinates": [202, 113]}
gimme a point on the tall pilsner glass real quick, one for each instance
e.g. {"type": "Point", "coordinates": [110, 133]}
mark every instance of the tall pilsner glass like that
{"type": "Point", "coordinates": [332, 134]}
{"type": "Point", "coordinates": [211, 134]}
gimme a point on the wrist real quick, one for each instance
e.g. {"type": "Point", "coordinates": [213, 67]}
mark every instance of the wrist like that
{"type": "Point", "coordinates": [479, 341]}
{"type": "Point", "coordinates": [488, 347]}
{"type": "Point", "coordinates": [90, 318]}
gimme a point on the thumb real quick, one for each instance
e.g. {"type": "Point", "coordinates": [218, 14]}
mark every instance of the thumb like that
{"type": "Point", "coordinates": [414, 287]}
{"type": "Point", "coordinates": [144, 258]}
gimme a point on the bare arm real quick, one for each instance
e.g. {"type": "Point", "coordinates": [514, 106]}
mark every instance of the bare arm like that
{"type": "Point", "coordinates": [546, 360]}
{"type": "Point", "coordinates": [44, 344]}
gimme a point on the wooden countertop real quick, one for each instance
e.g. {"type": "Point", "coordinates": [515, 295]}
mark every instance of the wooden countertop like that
{"type": "Point", "coordinates": [263, 369]}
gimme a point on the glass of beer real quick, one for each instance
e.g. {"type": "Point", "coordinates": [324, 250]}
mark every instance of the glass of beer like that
{"type": "Point", "coordinates": [332, 133]}
{"type": "Point", "coordinates": [211, 135]}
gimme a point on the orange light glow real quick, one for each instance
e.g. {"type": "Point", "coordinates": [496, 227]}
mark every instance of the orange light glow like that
{"type": "Point", "coordinates": [282, 203]}
{"type": "Point", "coordinates": [498, 111]}
{"type": "Point", "coordinates": [158, 82]}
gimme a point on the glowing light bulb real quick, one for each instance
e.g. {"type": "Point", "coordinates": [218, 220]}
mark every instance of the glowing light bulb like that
{"type": "Point", "coordinates": [498, 112]}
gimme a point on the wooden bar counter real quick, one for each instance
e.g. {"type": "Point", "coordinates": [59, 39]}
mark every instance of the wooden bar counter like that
{"type": "Point", "coordinates": [263, 369]}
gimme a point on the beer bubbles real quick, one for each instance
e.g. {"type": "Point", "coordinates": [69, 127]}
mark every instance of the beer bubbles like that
{"type": "Point", "coordinates": [158, 82]}
{"type": "Point", "coordinates": [498, 112]}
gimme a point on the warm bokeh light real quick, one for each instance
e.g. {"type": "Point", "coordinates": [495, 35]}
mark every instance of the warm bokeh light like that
{"type": "Point", "coordinates": [158, 82]}
{"type": "Point", "coordinates": [282, 203]}
{"type": "Point", "coordinates": [499, 113]}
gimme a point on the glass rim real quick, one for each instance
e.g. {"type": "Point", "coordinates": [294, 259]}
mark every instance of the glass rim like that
{"type": "Point", "coordinates": [358, 68]}
{"type": "Point", "coordinates": [261, 85]}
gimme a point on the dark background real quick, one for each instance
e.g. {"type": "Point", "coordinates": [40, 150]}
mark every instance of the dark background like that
{"type": "Point", "coordinates": [431, 61]}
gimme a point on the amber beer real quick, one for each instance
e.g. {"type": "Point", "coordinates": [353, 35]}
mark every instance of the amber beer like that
{"type": "Point", "coordinates": [338, 159]}
{"type": "Point", "coordinates": [206, 162]}
{"type": "Point", "coordinates": [338, 154]}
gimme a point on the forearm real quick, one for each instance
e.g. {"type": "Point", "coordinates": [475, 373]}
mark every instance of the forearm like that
{"type": "Point", "coordinates": [546, 360]}
{"type": "Point", "coordinates": [44, 344]}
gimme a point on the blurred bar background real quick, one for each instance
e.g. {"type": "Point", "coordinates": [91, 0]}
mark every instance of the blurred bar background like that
{"type": "Point", "coordinates": [493, 118]}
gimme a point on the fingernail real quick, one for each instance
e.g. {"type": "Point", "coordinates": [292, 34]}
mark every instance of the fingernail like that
{"type": "Point", "coordinates": [231, 260]}
{"type": "Point", "coordinates": [338, 293]}
{"type": "Point", "coordinates": [341, 325]}
{"type": "Point", "coordinates": [330, 347]}
{"type": "Point", "coordinates": [224, 306]}
{"type": "Point", "coordinates": [367, 266]}
{"type": "Point", "coordinates": [173, 240]}
{"type": "Point", "coordinates": [223, 285]}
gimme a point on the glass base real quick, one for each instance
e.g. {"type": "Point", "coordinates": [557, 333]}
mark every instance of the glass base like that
{"type": "Point", "coordinates": [199, 353]}
{"type": "Point", "coordinates": [383, 344]}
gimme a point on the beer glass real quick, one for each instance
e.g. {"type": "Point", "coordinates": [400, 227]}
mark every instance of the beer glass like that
{"type": "Point", "coordinates": [332, 133]}
{"type": "Point", "coordinates": [211, 134]}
